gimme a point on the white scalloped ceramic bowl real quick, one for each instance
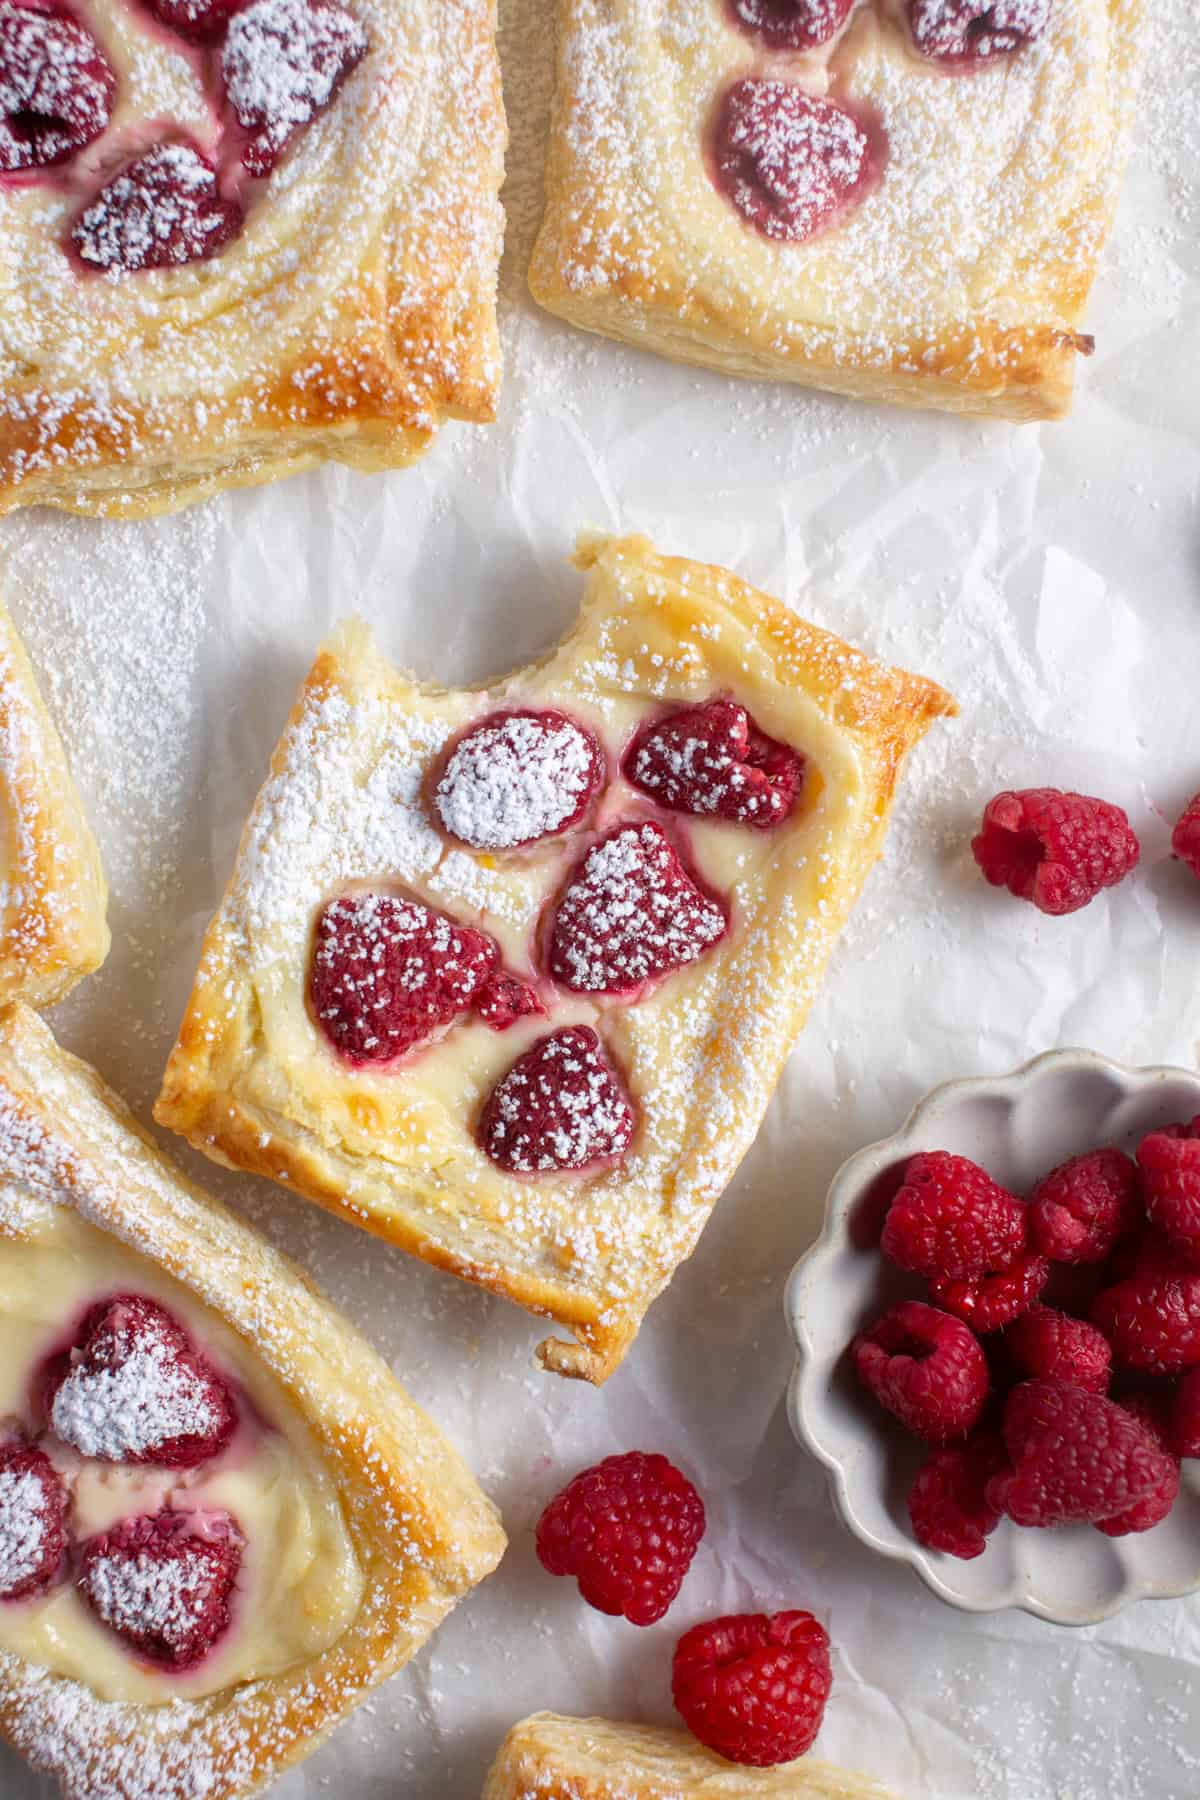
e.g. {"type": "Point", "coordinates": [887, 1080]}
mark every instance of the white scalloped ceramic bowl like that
{"type": "Point", "coordinates": [1018, 1126]}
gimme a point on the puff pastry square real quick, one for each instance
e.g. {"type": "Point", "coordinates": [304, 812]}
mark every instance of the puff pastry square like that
{"type": "Point", "coordinates": [921, 197]}
{"type": "Point", "coordinates": [362, 1525]}
{"type": "Point", "coordinates": [549, 1757]}
{"type": "Point", "coordinates": [52, 923]}
{"type": "Point", "coordinates": [254, 1082]}
{"type": "Point", "coordinates": [337, 307]}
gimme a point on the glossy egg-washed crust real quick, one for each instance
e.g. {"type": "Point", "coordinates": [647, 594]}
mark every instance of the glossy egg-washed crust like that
{"type": "Point", "coordinates": [362, 374]}
{"type": "Point", "coordinates": [549, 1757]}
{"type": "Point", "coordinates": [702, 1052]}
{"type": "Point", "coordinates": [52, 922]}
{"type": "Point", "coordinates": [421, 1529]}
{"type": "Point", "coordinates": [612, 259]}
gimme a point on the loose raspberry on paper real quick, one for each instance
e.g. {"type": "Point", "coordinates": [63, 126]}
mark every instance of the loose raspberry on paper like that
{"type": "Point", "coordinates": [966, 32]}
{"type": "Point", "coordinates": [948, 1503]}
{"type": "Point", "coordinates": [712, 761]}
{"type": "Point", "coordinates": [164, 1583]}
{"type": "Point", "coordinates": [33, 1521]}
{"type": "Point", "coordinates": [992, 1301]}
{"type": "Point", "coordinates": [1170, 1166]}
{"type": "Point", "coordinates": [561, 1106]}
{"type": "Point", "coordinates": [630, 913]}
{"type": "Point", "coordinates": [627, 1530]}
{"type": "Point", "coordinates": [792, 24]}
{"type": "Point", "coordinates": [926, 1368]}
{"type": "Point", "coordinates": [56, 87]}
{"type": "Point", "coordinates": [1055, 849]}
{"type": "Point", "coordinates": [282, 64]}
{"type": "Point", "coordinates": [752, 1686]}
{"type": "Point", "coordinates": [1048, 1345]}
{"type": "Point", "coordinates": [162, 210]}
{"type": "Point", "coordinates": [1185, 839]}
{"type": "Point", "coordinates": [950, 1221]}
{"type": "Point", "coordinates": [515, 778]}
{"type": "Point", "coordinates": [133, 1389]}
{"type": "Point", "coordinates": [1076, 1457]}
{"type": "Point", "coordinates": [1152, 1322]}
{"type": "Point", "coordinates": [1080, 1210]}
{"type": "Point", "coordinates": [789, 161]}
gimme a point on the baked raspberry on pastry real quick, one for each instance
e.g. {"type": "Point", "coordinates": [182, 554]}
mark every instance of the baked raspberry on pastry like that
{"type": "Point", "coordinates": [34, 1507]}
{"type": "Point", "coordinates": [963, 33]}
{"type": "Point", "coordinates": [282, 63]}
{"type": "Point", "coordinates": [537, 1064]}
{"type": "Point", "coordinates": [56, 86]}
{"type": "Point", "coordinates": [163, 209]}
{"type": "Point", "coordinates": [789, 161]}
{"type": "Point", "coordinates": [791, 24]}
{"type": "Point", "coordinates": [164, 1584]}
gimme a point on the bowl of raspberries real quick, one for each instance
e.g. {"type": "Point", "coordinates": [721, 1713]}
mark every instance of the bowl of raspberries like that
{"type": "Point", "coordinates": [998, 1335]}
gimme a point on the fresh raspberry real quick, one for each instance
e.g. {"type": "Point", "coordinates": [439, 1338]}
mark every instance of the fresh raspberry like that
{"type": "Point", "coordinates": [56, 86]}
{"type": "Point", "coordinates": [282, 63]}
{"type": "Point", "coordinates": [1152, 1322]}
{"type": "Point", "coordinates": [163, 209]}
{"type": "Point", "coordinates": [631, 912]}
{"type": "Point", "coordinates": [1052, 1346]}
{"type": "Point", "coordinates": [33, 1521]}
{"type": "Point", "coordinates": [1185, 839]}
{"type": "Point", "coordinates": [950, 1221]}
{"type": "Point", "coordinates": [789, 161]}
{"type": "Point", "coordinates": [753, 1686]}
{"type": "Point", "coordinates": [926, 1368]}
{"type": "Point", "coordinates": [132, 1389]}
{"type": "Point", "coordinates": [992, 1301]}
{"type": "Point", "coordinates": [713, 761]}
{"type": "Point", "coordinates": [1151, 1414]}
{"type": "Point", "coordinates": [562, 1105]}
{"type": "Point", "coordinates": [1170, 1165]}
{"type": "Point", "coordinates": [1055, 849]}
{"type": "Point", "coordinates": [791, 24]}
{"type": "Point", "coordinates": [388, 973]}
{"type": "Point", "coordinates": [1184, 1418]}
{"type": "Point", "coordinates": [976, 31]}
{"type": "Point", "coordinates": [1075, 1456]}
{"type": "Point", "coordinates": [163, 1583]}
{"type": "Point", "coordinates": [199, 21]}
{"type": "Point", "coordinates": [1078, 1211]}
{"type": "Point", "coordinates": [627, 1529]}
{"type": "Point", "coordinates": [948, 1502]}
{"type": "Point", "coordinates": [505, 999]}
{"type": "Point", "coordinates": [517, 777]}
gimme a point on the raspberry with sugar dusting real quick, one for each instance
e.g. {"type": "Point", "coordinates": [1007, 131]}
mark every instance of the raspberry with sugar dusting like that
{"type": "Point", "coordinates": [1185, 839]}
{"type": "Point", "coordinates": [1078, 1212]}
{"type": "Point", "coordinates": [948, 1504]}
{"type": "Point", "coordinates": [1076, 1457]}
{"type": "Point", "coordinates": [56, 87]}
{"type": "Point", "coordinates": [162, 210]}
{"type": "Point", "coordinates": [164, 1583]}
{"type": "Point", "coordinates": [753, 1686]}
{"type": "Point", "coordinates": [132, 1389]}
{"type": "Point", "coordinates": [561, 1106]}
{"type": "Point", "coordinates": [950, 1221]}
{"type": "Point", "coordinates": [789, 161]}
{"type": "Point", "coordinates": [1170, 1166]}
{"type": "Point", "coordinates": [388, 972]}
{"type": "Point", "coordinates": [713, 761]}
{"type": "Point", "coordinates": [1152, 1320]}
{"type": "Point", "coordinates": [991, 1301]}
{"type": "Point", "coordinates": [926, 1368]}
{"type": "Point", "coordinates": [1054, 849]}
{"type": "Point", "coordinates": [792, 24]}
{"type": "Point", "coordinates": [1053, 1346]}
{"type": "Point", "coordinates": [33, 1521]}
{"type": "Point", "coordinates": [517, 777]}
{"type": "Point", "coordinates": [200, 21]}
{"type": "Point", "coordinates": [967, 32]}
{"type": "Point", "coordinates": [631, 912]}
{"type": "Point", "coordinates": [282, 63]}
{"type": "Point", "coordinates": [627, 1530]}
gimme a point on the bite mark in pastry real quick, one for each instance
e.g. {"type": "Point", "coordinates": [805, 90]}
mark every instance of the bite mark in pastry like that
{"type": "Point", "coordinates": [222, 1523]}
{"type": "Point", "coordinates": [550, 1757]}
{"type": "Point", "coordinates": [669, 941]}
{"type": "Point", "coordinates": [899, 199]}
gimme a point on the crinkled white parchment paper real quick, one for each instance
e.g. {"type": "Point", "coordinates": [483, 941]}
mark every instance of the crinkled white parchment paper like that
{"type": "Point", "coordinates": [1051, 578]}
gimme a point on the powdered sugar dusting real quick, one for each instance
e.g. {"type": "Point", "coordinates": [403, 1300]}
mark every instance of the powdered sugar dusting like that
{"type": "Point", "coordinates": [164, 208]}
{"type": "Point", "coordinates": [22, 1527]}
{"type": "Point", "coordinates": [148, 1397]}
{"type": "Point", "coordinates": [56, 87]}
{"type": "Point", "coordinates": [517, 779]}
{"type": "Point", "coordinates": [282, 62]}
{"type": "Point", "coordinates": [561, 1106]}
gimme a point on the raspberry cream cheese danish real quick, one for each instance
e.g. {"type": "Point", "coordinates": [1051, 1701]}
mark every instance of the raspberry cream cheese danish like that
{"type": "Point", "coordinates": [240, 237]}
{"type": "Point", "coordinates": [52, 923]}
{"type": "Point", "coordinates": [221, 1521]}
{"type": "Point", "coordinates": [521, 1011]}
{"type": "Point", "coordinates": [549, 1757]}
{"type": "Point", "coordinates": [899, 199]}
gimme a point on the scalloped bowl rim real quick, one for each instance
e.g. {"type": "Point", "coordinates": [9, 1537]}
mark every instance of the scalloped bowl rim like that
{"type": "Point", "coordinates": [851, 1180]}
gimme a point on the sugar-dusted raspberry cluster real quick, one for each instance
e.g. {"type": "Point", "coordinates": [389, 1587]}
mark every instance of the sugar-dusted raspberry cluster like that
{"type": "Point", "coordinates": [1053, 1365]}
{"type": "Point", "coordinates": [128, 1389]}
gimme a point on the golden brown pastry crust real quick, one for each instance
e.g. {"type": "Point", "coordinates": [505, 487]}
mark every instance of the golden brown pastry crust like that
{"type": "Point", "coordinates": [52, 923]}
{"type": "Point", "coordinates": [251, 1083]}
{"type": "Point", "coordinates": [916, 307]}
{"type": "Point", "coordinates": [422, 1530]}
{"type": "Point", "coordinates": [549, 1757]}
{"type": "Point", "coordinates": [354, 314]}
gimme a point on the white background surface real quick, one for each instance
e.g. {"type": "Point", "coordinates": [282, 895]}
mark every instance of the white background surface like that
{"type": "Point", "coordinates": [1051, 578]}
